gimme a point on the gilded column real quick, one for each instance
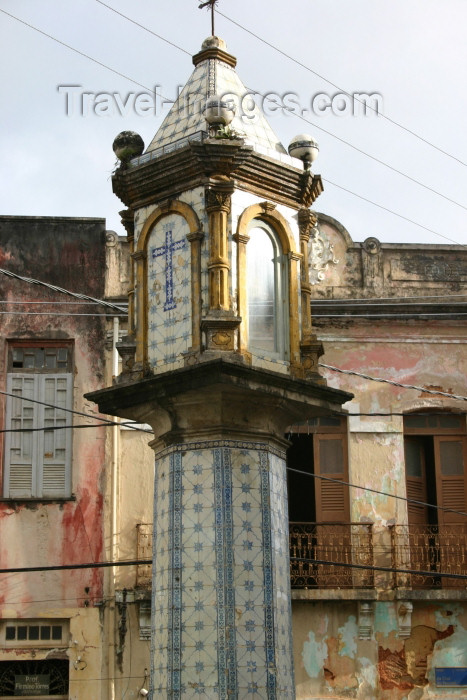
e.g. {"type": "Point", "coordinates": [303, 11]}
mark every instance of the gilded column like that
{"type": "Point", "coordinates": [220, 325]}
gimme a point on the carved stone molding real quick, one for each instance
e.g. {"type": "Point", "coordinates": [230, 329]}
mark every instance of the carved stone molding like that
{"type": "Point", "coordinates": [267, 207]}
{"type": "Point", "coordinates": [126, 348]}
{"type": "Point", "coordinates": [128, 221]}
{"type": "Point", "coordinates": [365, 620]}
{"type": "Point", "coordinates": [404, 618]}
{"type": "Point", "coordinates": [216, 199]}
{"type": "Point", "coordinates": [320, 255]}
{"type": "Point", "coordinates": [220, 332]}
{"type": "Point", "coordinates": [311, 350]}
{"type": "Point", "coordinates": [306, 221]}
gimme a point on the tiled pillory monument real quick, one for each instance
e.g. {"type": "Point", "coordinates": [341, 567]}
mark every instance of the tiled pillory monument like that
{"type": "Point", "coordinates": [219, 359]}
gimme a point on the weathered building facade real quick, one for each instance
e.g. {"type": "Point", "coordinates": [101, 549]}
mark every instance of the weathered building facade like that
{"type": "Point", "coordinates": [397, 631]}
{"type": "Point", "coordinates": [265, 477]}
{"type": "Point", "coordinates": [59, 463]}
{"type": "Point", "coordinates": [375, 613]}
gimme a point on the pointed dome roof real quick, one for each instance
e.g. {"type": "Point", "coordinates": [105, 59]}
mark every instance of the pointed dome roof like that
{"type": "Point", "coordinates": [215, 74]}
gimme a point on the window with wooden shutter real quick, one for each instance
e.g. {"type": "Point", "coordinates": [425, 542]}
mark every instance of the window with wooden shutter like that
{"type": "Point", "coordinates": [38, 443]}
{"type": "Point", "coordinates": [435, 467]}
{"type": "Point", "coordinates": [319, 449]}
{"type": "Point", "coordinates": [450, 460]}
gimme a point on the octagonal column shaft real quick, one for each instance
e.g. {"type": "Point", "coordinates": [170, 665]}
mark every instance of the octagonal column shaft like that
{"type": "Point", "coordinates": [221, 613]}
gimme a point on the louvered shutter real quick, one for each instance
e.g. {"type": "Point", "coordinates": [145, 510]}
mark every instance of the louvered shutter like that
{"type": "Point", "coordinates": [55, 445]}
{"type": "Point", "coordinates": [21, 448]}
{"type": "Point", "coordinates": [415, 472]}
{"type": "Point", "coordinates": [451, 487]}
{"type": "Point", "coordinates": [38, 464]}
{"type": "Point", "coordinates": [332, 499]}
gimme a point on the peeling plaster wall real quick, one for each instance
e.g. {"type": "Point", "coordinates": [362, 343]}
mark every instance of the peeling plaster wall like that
{"type": "Point", "coordinates": [69, 253]}
{"type": "Point", "coordinates": [331, 660]}
{"type": "Point", "coordinates": [405, 647]}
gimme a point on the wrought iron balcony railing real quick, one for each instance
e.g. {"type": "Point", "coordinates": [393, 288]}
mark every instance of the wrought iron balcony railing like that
{"type": "Point", "coordinates": [433, 552]}
{"type": "Point", "coordinates": [336, 555]}
{"type": "Point", "coordinates": [322, 555]}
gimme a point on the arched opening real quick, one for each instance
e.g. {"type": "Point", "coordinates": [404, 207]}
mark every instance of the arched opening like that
{"type": "Point", "coordinates": [267, 294]}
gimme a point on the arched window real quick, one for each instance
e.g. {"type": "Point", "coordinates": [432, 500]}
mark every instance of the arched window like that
{"type": "Point", "coordinates": [266, 292]}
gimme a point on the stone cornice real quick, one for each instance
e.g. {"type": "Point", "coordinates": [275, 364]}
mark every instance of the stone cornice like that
{"type": "Point", "coordinates": [172, 173]}
{"type": "Point", "coordinates": [295, 397]}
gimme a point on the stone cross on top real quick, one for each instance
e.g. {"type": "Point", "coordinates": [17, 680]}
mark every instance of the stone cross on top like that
{"type": "Point", "coordinates": [211, 4]}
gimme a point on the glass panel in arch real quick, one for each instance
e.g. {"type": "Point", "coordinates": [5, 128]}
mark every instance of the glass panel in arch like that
{"type": "Point", "coordinates": [261, 290]}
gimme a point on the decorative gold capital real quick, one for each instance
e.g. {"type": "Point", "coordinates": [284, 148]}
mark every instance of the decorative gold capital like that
{"type": "Point", "coordinates": [267, 207]}
{"type": "Point", "coordinates": [218, 199]}
{"type": "Point", "coordinates": [307, 219]}
{"type": "Point", "coordinates": [195, 236]}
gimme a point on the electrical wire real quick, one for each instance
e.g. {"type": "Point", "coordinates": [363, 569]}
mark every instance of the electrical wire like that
{"type": "Point", "coordinates": [380, 493]}
{"type": "Point", "coordinates": [148, 562]}
{"type": "Point", "coordinates": [126, 424]}
{"type": "Point", "coordinates": [75, 567]}
{"type": "Point", "coordinates": [288, 109]}
{"type": "Point", "coordinates": [391, 211]}
{"type": "Point", "coordinates": [56, 313]}
{"type": "Point", "coordinates": [387, 569]}
{"type": "Point", "coordinates": [350, 315]}
{"type": "Point", "coordinates": [393, 383]}
{"type": "Point", "coordinates": [374, 301]}
{"type": "Point", "coordinates": [146, 29]}
{"type": "Point", "coordinates": [316, 126]}
{"type": "Point", "coordinates": [105, 421]}
{"type": "Point", "coordinates": [326, 80]}
{"type": "Point", "coordinates": [61, 290]}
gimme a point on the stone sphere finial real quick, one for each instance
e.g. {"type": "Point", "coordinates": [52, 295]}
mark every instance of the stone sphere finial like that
{"type": "Point", "coordinates": [304, 147]}
{"type": "Point", "coordinates": [128, 145]}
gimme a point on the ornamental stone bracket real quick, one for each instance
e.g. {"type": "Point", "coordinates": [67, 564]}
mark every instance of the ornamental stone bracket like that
{"type": "Point", "coordinates": [320, 255]}
{"type": "Point", "coordinates": [220, 156]}
{"type": "Point", "coordinates": [311, 350]}
{"type": "Point", "coordinates": [365, 620]}
{"type": "Point", "coordinates": [220, 332]}
{"type": "Point", "coordinates": [404, 618]}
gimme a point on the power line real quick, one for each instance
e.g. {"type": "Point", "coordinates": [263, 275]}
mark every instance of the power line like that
{"type": "Point", "coordinates": [316, 126]}
{"type": "Point", "coordinates": [146, 29]}
{"type": "Point", "coordinates": [75, 567]}
{"type": "Point", "coordinates": [380, 493]}
{"type": "Point", "coordinates": [394, 213]}
{"type": "Point", "coordinates": [386, 301]}
{"type": "Point", "coordinates": [61, 290]}
{"type": "Point", "coordinates": [390, 381]}
{"type": "Point", "coordinates": [57, 313]}
{"type": "Point", "coordinates": [80, 53]}
{"type": "Point", "coordinates": [421, 314]}
{"type": "Point", "coordinates": [269, 99]}
{"type": "Point", "coordinates": [388, 569]}
{"type": "Point", "coordinates": [310, 70]}
{"type": "Point", "coordinates": [148, 562]}
{"type": "Point", "coordinates": [105, 421]}
{"type": "Point", "coordinates": [127, 424]}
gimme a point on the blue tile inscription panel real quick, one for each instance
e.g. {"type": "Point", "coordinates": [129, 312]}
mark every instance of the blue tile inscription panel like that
{"type": "Point", "coordinates": [451, 677]}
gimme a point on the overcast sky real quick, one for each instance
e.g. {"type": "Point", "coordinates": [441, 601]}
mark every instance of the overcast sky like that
{"type": "Point", "coordinates": [411, 53]}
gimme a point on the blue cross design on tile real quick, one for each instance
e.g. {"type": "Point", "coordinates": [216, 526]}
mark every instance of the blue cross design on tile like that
{"type": "Point", "coordinates": [167, 251]}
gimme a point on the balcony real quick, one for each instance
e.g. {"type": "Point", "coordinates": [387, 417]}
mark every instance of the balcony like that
{"type": "Point", "coordinates": [338, 556]}
{"type": "Point", "coordinates": [430, 550]}
{"type": "Point", "coordinates": [312, 545]}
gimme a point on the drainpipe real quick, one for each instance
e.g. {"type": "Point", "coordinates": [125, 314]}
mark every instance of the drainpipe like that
{"type": "Point", "coordinates": [114, 512]}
